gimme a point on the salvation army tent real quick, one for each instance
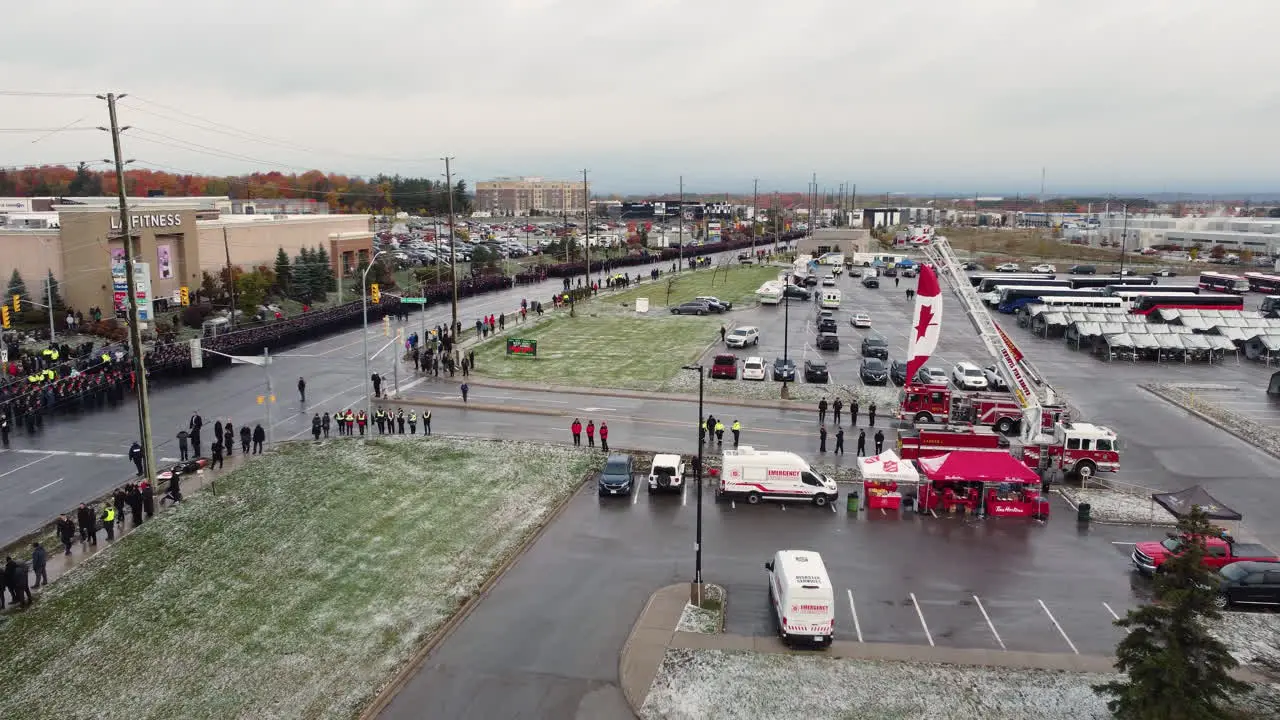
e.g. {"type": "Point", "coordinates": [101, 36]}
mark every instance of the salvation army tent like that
{"type": "Point", "coordinates": [973, 466]}
{"type": "Point", "coordinates": [1180, 503]}
{"type": "Point", "coordinates": [887, 467]}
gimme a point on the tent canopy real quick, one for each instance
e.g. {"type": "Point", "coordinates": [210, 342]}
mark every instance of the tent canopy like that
{"type": "Point", "coordinates": [1180, 503]}
{"type": "Point", "coordinates": [976, 466]}
{"type": "Point", "coordinates": [886, 467]}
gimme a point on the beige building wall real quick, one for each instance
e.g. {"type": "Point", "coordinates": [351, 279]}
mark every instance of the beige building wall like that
{"type": "Point", "coordinates": [33, 253]}
{"type": "Point", "coordinates": [255, 241]}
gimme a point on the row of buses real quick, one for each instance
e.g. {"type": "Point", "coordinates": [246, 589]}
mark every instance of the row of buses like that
{"type": "Point", "coordinates": [1138, 294]}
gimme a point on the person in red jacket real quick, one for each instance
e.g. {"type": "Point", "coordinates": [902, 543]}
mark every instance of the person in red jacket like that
{"type": "Point", "coordinates": [576, 429]}
{"type": "Point", "coordinates": [591, 433]}
{"type": "Point", "coordinates": [604, 436]}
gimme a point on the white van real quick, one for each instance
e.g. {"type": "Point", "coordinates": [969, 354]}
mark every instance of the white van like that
{"type": "Point", "coordinates": [770, 293]}
{"type": "Point", "coordinates": [830, 299]}
{"type": "Point", "coordinates": [802, 598]}
{"type": "Point", "coordinates": [666, 472]}
{"type": "Point", "coordinates": [772, 475]}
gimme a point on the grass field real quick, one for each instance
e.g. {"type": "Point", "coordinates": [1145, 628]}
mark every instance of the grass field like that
{"type": "Point", "coordinates": [604, 351]}
{"type": "Point", "coordinates": [733, 283]}
{"type": "Point", "coordinates": [1020, 245]}
{"type": "Point", "coordinates": [295, 591]}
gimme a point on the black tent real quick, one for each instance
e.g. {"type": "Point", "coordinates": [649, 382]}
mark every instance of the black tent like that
{"type": "Point", "coordinates": [1180, 503]}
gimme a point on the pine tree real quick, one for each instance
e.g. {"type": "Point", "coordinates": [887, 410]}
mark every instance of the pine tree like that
{"type": "Point", "coordinates": [52, 296]}
{"type": "Point", "coordinates": [303, 276]}
{"type": "Point", "coordinates": [284, 273]}
{"type": "Point", "coordinates": [17, 287]}
{"type": "Point", "coordinates": [1174, 669]}
{"type": "Point", "coordinates": [326, 281]}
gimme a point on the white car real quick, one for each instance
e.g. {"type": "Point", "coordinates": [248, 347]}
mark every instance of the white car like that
{"type": "Point", "coordinates": [1007, 267]}
{"type": "Point", "coordinates": [860, 320]}
{"type": "Point", "coordinates": [1044, 268]}
{"type": "Point", "coordinates": [968, 376]}
{"type": "Point", "coordinates": [829, 281]}
{"type": "Point", "coordinates": [742, 336]}
{"type": "Point", "coordinates": [753, 369]}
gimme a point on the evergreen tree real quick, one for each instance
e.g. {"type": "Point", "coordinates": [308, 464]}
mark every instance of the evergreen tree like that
{"type": "Point", "coordinates": [52, 296]}
{"type": "Point", "coordinates": [1173, 668]}
{"type": "Point", "coordinates": [326, 282]}
{"type": "Point", "coordinates": [284, 273]}
{"type": "Point", "coordinates": [17, 287]}
{"type": "Point", "coordinates": [303, 276]}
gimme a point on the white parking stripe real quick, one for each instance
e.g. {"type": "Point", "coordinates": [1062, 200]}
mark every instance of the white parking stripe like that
{"type": "Point", "coordinates": [1113, 612]}
{"type": "Point", "coordinates": [924, 625]}
{"type": "Point", "coordinates": [989, 623]}
{"type": "Point", "coordinates": [857, 627]}
{"type": "Point", "coordinates": [1055, 624]}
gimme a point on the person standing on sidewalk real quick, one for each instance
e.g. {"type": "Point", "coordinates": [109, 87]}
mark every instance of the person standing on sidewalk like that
{"type": "Point", "coordinates": [66, 533]}
{"type": "Point", "coordinates": [217, 430]}
{"type": "Point", "coordinates": [245, 437]}
{"type": "Point", "coordinates": [464, 389]}
{"type": "Point", "coordinates": [822, 411]}
{"type": "Point", "coordinates": [400, 419]}
{"type": "Point", "coordinates": [575, 429]}
{"type": "Point", "coordinates": [229, 438]}
{"type": "Point", "coordinates": [260, 436]}
{"type": "Point", "coordinates": [839, 441]}
{"type": "Point", "coordinates": [216, 459]}
{"type": "Point", "coordinates": [853, 413]}
{"type": "Point", "coordinates": [108, 518]}
{"type": "Point", "coordinates": [324, 425]}
{"type": "Point", "coordinates": [182, 445]}
{"type": "Point", "coordinates": [822, 438]}
{"type": "Point", "coordinates": [4, 428]}
{"type": "Point", "coordinates": [836, 407]}
{"type": "Point", "coordinates": [737, 432]}
{"type": "Point", "coordinates": [413, 421]}
{"type": "Point", "coordinates": [426, 421]}
{"type": "Point", "coordinates": [39, 561]}
{"type": "Point", "coordinates": [879, 441]}
{"type": "Point", "coordinates": [862, 443]}
{"type": "Point", "coordinates": [871, 415]}
{"type": "Point", "coordinates": [194, 436]}
{"type": "Point", "coordinates": [591, 433]}
{"type": "Point", "coordinates": [315, 424]}
{"type": "Point", "coordinates": [148, 498]}
{"type": "Point", "coordinates": [604, 436]}
{"type": "Point", "coordinates": [85, 521]}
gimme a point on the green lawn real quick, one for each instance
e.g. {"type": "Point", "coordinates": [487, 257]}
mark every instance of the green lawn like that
{"type": "Point", "coordinates": [734, 283]}
{"type": "Point", "coordinates": [294, 591]}
{"type": "Point", "coordinates": [606, 351]}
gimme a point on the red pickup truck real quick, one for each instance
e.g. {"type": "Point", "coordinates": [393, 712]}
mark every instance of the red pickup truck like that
{"type": "Point", "coordinates": [725, 367]}
{"type": "Point", "coordinates": [1149, 556]}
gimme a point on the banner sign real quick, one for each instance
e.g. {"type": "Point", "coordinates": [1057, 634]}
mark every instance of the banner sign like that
{"type": "Point", "coordinates": [516, 346]}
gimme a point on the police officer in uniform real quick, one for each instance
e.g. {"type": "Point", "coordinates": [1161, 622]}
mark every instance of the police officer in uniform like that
{"type": "Point", "coordinates": [737, 431]}
{"type": "Point", "coordinates": [400, 419]}
{"type": "Point", "coordinates": [426, 421]}
{"type": "Point", "coordinates": [108, 520]}
{"type": "Point", "coordinates": [413, 422]}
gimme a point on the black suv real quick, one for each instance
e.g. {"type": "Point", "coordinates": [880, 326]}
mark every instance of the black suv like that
{"type": "Point", "coordinates": [1083, 270]}
{"type": "Point", "coordinates": [795, 291]}
{"type": "Point", "coordinates": [1249, 583]}
{"type": "Point", "coordinates": [784, 370]}
{"type": "Point", "coordinates": [898, 372]}
{"type": "Point", "coordinates": [871, 281]}
{"type": "Point", "coordinates": [815, 371]}
{"type": "Point", "coordinates": [875, 347]}
{"type": "Point", "coordinates": [616, 477]}
{"type": "Point", "coordinates": [828, 341]}
{"type": "Point", "coordinates": [827, 325]}
{"type": "Point", "coordinates": [873, 371]}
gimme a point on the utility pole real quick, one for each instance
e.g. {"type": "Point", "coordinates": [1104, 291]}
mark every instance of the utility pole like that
{"type": "Point", "coordinates": [231, 278]}
{"type": "Point", "coordinates": [586, 223]}
{"type": "Point", "coordinates": [135, 333]}
{"type": "Point", "coordinates": [453, 261]}
{"type": "Point", "coordinates": [755, 212]}
{"type": "Point", "coordinates": [813, 200]}
{"type": "Point", "coordinates": [680, 267]}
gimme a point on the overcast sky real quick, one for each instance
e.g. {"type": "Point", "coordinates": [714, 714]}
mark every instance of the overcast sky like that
{"type": "Point", "coordinates": [912, 95]}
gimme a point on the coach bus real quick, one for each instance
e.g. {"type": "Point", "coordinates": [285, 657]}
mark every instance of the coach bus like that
{"type": "Point", "coordinates": [1222, 282]}
{"type": "Point", "coordinates": [990, 284]}
{"type": "Point", "coordinates": [1080, 300]}
{"type": "Point", "coordinates": [1101, 281]}
{"type": "Point", "coordinates": [977, 280]}
{"type": "Point", "coordinates": [1120, 290]}
{"type": "Point", "coordinates": [1012, 298]}
{"type": "Point", "coordinates": [1149, 303]}
{"type": "Point", "coordinates": [1263, 283]}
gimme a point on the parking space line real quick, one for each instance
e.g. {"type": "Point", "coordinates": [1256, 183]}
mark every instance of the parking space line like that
{"type": "Point", "coordinates": [1061, 632]}
{"type": "Point", "coordinates": [857, 627]}
{"type": "Point", "coordinates": [989, 623]}
{"type": "Point", "coordinates": [1113, 612]}
{"type": "Point", "coordinates": [924, 625]}
{"type": "Point", "coordinates": [635, 493]}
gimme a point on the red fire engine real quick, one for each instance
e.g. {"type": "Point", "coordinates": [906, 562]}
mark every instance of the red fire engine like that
{"type": "Point", "coordinates": [925, 440]}
{"type": "Point", "coordinates": [941, 404]}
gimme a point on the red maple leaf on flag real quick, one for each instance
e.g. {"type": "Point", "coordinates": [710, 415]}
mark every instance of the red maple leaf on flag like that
{"type": "Point", "coordinates": [926, 319]}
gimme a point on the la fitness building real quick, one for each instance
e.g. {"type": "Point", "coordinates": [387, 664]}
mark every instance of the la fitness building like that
{"type": "Point", "coordinates": [174, 243]}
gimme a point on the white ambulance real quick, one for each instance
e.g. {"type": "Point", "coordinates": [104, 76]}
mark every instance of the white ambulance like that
{"type": "Point", "coordinates": [803, 601]}
{"type": "Point", "coordinates": [757, 475]}
{"type": "Point", "coordinates": [830, 299]}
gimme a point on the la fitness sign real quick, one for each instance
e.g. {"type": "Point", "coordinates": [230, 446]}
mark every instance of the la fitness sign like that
{"type": "Point", "coordinates": [153, 220]}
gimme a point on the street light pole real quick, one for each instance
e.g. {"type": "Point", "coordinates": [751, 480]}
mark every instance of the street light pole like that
{"type": "Point", "coordinates": [453, 239]}
{"type": "Point", "coordinates": [364, 307]}
{"type": "Point", "coordinates": [1124, 236]}
{"type": "Point", "coordinates": [586, 223]}
{"type": "Point", "coordinates": [680, 214]}
{"type": "Point", "coordinates": [755, 212]}
{"type": "Point", "coordinates": [696, 590]}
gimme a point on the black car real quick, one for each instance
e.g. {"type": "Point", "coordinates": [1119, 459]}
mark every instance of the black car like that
{"type": "Point", "coordinates": [827, 325]}
{"type": "Point", "coordinates": [898, 372]}
{"type": "Point", "coordinates": [616, 477]}
{"type": "Point", "coordinates": [873, 371]}
{"type": "Point", "coordinates": [889, 271]}
{"type": "Point", "coordinates": [876, 347]}
{"type": "Point", "coordinates": [1083, 270]}
{"type": "Point", "coordinates": [871, 281]}
{"type": "Point", "coordinates": [815, 371]}
{"type": "Point", "coordinates": [811, 280]}
{"type": "Point", "coordinates": [795, 291]}
{"type": "Point", "coordinates": [784, 370]}
{"type": "Point", "coordinates": [1249, 583]}
{"type": "Point", "coordinates": [828, 341]}
{"type": "Point", "coordinates": [971, 266]}
{"type": "Point", "coordinates": [691, 308]}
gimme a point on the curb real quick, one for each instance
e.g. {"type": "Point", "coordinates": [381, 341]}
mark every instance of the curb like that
{"type": "Point", "coordinates": [637, 676]}
{"type": "Point", "coordinates": [419, 658]}
{"type": "Point", "coordinates": [1211, 420]}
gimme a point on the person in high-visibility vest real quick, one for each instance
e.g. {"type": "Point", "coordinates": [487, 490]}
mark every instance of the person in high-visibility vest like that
{"type": "Point", "coordinates": [719, 432]}
{"type": "Point", "coordinates": [413, 422]}
{"type": "Point", "coordinates": [737, 430]}
{"type": "Point", "coordinates": [108, 520]}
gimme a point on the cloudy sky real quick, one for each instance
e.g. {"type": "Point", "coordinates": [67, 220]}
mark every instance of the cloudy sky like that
{"type": "Point", "coordinates": [912, 95]}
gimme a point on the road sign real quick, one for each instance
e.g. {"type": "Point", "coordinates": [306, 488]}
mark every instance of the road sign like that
{"type": "Point", "coordinates": [414, 301]}
{"type": "Point", "coordinates": [197, 354]}
{"type": "Point", "coordinates": [517, 346]}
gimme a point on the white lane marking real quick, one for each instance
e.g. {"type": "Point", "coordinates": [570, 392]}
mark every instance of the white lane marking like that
{"type": "Point", "coordinates": [1055, 624]}
{"type": "Point", "coordinates": [856, 626]}
{"type": "Point", "coordinates": [55, 482]}
{"type": "Point", "coordinates": [684, 493]}
{"type": "Point", "coordinates": [920, 614]}
{"type": "Point", "coordinates": [934, 513]}
{"type": "Point", "coordinates": [635, 493]}
{"type": "Point", "coordinates": [586, 409]}
{"type": "Point", "coordinates": [20, 467]}
{"type": "Point", "coordinates": [989, 623]}
{"type": "Point", "coordinates": [1113, 612]}
{"type": "Point", "coordinates": [1117, 542]}
{"type": "Point", "coordinates": [733, 504]}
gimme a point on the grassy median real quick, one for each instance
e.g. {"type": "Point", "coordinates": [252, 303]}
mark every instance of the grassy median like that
{"type": "Point", "coordinates": [733, 283]}
{"type": "Point", "coordinates": [294, 591]}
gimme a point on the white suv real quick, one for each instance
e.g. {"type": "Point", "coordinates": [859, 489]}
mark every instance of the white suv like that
{"type": "Point", "coordinates": [968, 376]}
{"type": "Point", "coordinates": [742, 336]}
{"type": "Point", "coordinates": [753, 369]}
{"type": "Point", "coordinates": [666, 472]}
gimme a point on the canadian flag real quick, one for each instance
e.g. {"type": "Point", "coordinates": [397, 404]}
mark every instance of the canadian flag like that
{"type": "Point", "coordinates": [926, 322]}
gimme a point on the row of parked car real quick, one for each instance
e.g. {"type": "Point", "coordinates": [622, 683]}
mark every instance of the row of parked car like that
{"type": "Point", "coordinates": [725, 367]}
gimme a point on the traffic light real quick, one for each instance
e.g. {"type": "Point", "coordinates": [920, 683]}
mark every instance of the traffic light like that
{"type": "Point", "coordinates": [4, 316]}
{"type": "Point", "coordinates": [17, 303]}
{"type": "Point", "coordinates": [185, 295]}
{"type": "Point", "coordinates": [375, 294]}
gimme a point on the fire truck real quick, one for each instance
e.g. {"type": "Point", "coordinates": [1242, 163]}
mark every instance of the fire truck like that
{"type": "Point", "coordinates": [930, 440]}
{"type": "Point", "coordinates": [1076, 448]}
{"type": "Point", "coordinates": [940, 403]}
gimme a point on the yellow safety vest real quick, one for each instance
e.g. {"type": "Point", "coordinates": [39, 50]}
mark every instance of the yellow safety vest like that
{"type": "Point", "coordinates": [737, 425]}
{"type": "Point", "coordinates": [413, 417]}
{"type": "Point", "coordinates": [106, 357]}
{"type": "Point", "coordinates": [53, 354]}
{"type": "Point", "coordinates": [719, 427]}
{"type": "Point", "coordinates": [109, 515]}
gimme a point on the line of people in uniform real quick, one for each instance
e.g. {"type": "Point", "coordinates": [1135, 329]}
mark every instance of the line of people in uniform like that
{"type": "Point", "coordinates": [350, 421]}
{"type": "Point", "coordinates": [713, 428]}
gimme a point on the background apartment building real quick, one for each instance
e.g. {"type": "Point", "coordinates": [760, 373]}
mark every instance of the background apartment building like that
{"type": "Point", "coordinates": [518, 196]}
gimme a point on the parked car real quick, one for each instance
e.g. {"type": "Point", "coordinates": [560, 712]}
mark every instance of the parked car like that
{"type": "Point", "coordinates": [1147, 557]}
{"type": "Point", "coordinates": [1007, 267]}
{"type": "Point", "coordinates": [898, 372]}
{"type": "Point", "coordinates": [860, 320]}
{"type": "Point", "coordinates": [810, 281]}
{"type": "Point", "coordinates": [1127, 272]}
{"type": "Point", "coordinates": [855, 272]}
{"type": "Point", "coordinates": [873, 371]}
{"type": "Point", "coordinates": [870, 281]}
{"type": "Point", "coordinates": [815, 371]}
{"type": "Point", "coordinates": [970, 266]}
{"type": "Point", "coordinates": [1044, 268]}
{"type": "Point", "coordinates": [968, 376]}
{"type": "Point", "coordinates": [616, 477]}
{"type": "Point", "coordinates": [827, 324]}
{"type": "Point", "coordinates": [995, 381]}
{"type": "Point", "coordinates": [829, 281]}
{"type": "Point", "coordinates": [753, 369]}
{"type": "Point", "coordinates": [1164, 272]}
{"type": "Point", "coordinates": [691, 308]}
{"type": "Point", "coordinates": [742, 336]}
{"type": "Point", "coordinates": [784, 369]}
{"type": "Point", "coordinates": [910, 271]}
{"type": "Point", "coordinates": [725, 366]}
{"type": "Point", "coordinates": [1083, 270]}
{"type": "Point", "coordinates": [1251, 582]}
{"type": "Point", "coordinates": [796, 292]}
{"type": "Point", "coordinates": [932, 376]}
{"type": "Point", "coordinates": [875, 347]}
{"type": "Point", "coordinates": [716, 304]}
{"type": "Point", "coordinates": [828, 341]}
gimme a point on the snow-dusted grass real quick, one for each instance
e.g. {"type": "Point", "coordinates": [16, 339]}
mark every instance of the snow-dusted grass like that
{"type": "Point", "coordinates": [1113, 506]}
{"type": "Point", "coordinates": [732, 283]}
{"type": "Point", "coordinates": [885, 398]}
{"type": "Point", "coordinates": [294, 591]}
{"type": "Point", "coordinates": [698, 684]}
{"type": "Point", "coordinates": [1252, 637]}
{"type": "Point", "coordinates": [708, 619]}
{"type": "Point", "coordinates": [1245, 428]}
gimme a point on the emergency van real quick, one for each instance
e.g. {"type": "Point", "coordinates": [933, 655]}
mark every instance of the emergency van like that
{"type": "Point", "coordinates": [770, 293]}
{"type": "Point", "coordinates": [756, 475]}
{"type": "Point", "coordinates": [803, 601]}
{"type": "Point", "coordinates": [830, 299]}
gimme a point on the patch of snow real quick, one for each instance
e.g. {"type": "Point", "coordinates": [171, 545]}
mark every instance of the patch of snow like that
{"type": "Point", "coordinates": [1243, 427]}
{"type": "Point", "coordinates": [1252, 637]}
{"type": "Point", "coordinates": [700, 620]}
{"type": "Point", "coordinates": [1113, 506]}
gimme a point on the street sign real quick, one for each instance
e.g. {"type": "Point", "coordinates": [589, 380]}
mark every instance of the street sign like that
{"type": "Point", "coordinates": [414, 301]}
{"type": "Point", "coordinates": [197, 354]}
{"type": "Point", "coordinates": [516, 346]}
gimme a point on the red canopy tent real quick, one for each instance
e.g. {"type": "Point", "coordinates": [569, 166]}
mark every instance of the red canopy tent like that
{"type": "Point", "coordinates": [970, 466]}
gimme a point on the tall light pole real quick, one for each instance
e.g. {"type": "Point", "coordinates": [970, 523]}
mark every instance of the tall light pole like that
{"type": "Point", "coordinates": [680, 228]}
{"type": "Point", "coordinates": [586, 223]}
{"type": "Point", "coordinates": [1124, 236]}
{"type": "Point", "coordinates": [453, 260]}
{"type": "Point", "coordinates": [696, 591]}
{"type": "Point", "coordinates": [135, 333]}
{"type": "Point", "coordinates": [755, 212]}
{"type": "Point", "coordinates": [364, 307]}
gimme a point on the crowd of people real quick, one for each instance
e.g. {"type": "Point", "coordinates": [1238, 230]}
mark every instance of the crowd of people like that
{"type": "Point", "coordinates": [38, 384]}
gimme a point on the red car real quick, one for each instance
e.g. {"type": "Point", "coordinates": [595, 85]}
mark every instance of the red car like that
{"type": "Point", "coordinates": [725, 367]}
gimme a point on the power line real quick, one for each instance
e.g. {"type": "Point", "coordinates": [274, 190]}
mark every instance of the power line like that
{"type": "Point", "coordinates": [205, 149]}
{"type": "Point", "coordinates": [33, 93]}
{"type": "Point", "coordinates": [44, 129]}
